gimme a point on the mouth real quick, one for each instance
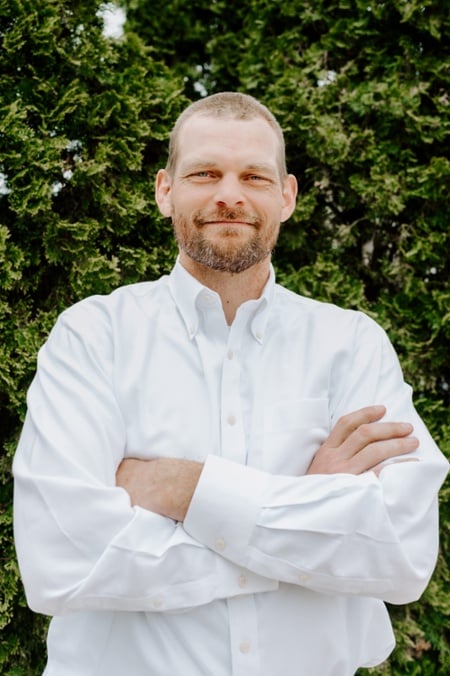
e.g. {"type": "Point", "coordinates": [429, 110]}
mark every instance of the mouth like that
{"type": "Point", "coordinates": [226, 218]}
{"type": "Point", "coordinates": [221, 222]}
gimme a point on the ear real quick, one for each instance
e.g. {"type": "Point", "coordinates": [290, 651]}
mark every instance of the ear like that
{"type": "Point", "coordinates": [289, 197]}
{"type": "Point", "coordinates": [162, 192]}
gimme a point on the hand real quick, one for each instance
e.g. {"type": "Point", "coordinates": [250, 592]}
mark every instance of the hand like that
{"type": "Point", "coordinates": [164, 485]}
{"type": "Point", "coordinates": [359, 443]}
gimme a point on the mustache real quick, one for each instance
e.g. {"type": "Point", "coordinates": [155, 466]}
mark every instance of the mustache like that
{"type": "Point", "coordinates": [201, 216]}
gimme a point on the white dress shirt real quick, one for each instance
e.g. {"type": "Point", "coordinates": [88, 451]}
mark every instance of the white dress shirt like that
{"type": "Point", "coordinates": [272, 572]}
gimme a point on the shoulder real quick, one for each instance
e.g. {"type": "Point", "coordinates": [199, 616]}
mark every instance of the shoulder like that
{"type": "Point", "coordinates": [303, 307]}
{"type": "Point", "coordinates": [102, 320]}
{"type": "Point", "coordinates": [333, 324]}
{"type": "Point", "coordinates": [115, 306]}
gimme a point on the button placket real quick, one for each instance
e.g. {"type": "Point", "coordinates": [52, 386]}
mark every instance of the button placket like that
{"type": "Point", "coordinates": [232, 432]}
{"type": "Point", "coordinates": [244, 636]}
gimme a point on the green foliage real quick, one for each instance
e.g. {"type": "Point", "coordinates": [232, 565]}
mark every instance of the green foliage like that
{"type": "Point", "coordinates": [84, 123]}
{"type": "Point", "coordinates": [362, 91]}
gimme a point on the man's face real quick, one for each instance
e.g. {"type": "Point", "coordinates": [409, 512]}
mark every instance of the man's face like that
{"type": "Point", "coordinates": [226, 197]}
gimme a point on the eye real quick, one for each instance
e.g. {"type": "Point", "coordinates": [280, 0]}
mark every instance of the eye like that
{"type": "Point", "coordinates": [257, 178]}
{"type": "Point", "coordinates": [201, 176]}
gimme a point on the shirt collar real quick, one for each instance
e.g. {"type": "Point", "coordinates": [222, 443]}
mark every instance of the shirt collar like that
{"type": "Point", "coordinates": [187, 291]}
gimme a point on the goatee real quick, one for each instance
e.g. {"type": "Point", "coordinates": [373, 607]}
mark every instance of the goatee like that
{"type": "Point", "coordinates": [227, 254]}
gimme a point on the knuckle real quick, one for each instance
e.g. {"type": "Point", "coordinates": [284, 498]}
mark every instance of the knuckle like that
{"type": "Point", "coordinates": [405, 446]}
{"type": "Point", "coordinates": [366, 431]}
{"type": "Point", "coordinates": [347, 421]}
{"type": "Point", "coordinates": [343, 419]}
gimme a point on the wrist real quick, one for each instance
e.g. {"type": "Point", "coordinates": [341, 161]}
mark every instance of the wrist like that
{"type": "Point", "coordinates": [177, 481]}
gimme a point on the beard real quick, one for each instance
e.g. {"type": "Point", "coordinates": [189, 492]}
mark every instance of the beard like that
{"type": "Point", "coordinates": [229, 253]}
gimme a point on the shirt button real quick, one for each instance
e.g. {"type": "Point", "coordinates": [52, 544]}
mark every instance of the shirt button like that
{"type": "Point", "coordinates": [242, 581]}
{"type": "Point", "coordinates": [219, 544]}
{"type": "Point", "coordinates": [231, 420]}
{"type": "Point", "coordinates": [157, 604]}
{"type": "Point", "coordinates": [230, 354]}
{"type": "Point", "coordinates": [244, 647]}
{"type": "Point", "coordinates": [303, 578]}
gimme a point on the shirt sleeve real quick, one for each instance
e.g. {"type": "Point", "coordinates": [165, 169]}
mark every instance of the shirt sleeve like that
{"type": "Point", "coordinates": [338, 534]}
{"type": "Point", "coordinates": [80, 543]}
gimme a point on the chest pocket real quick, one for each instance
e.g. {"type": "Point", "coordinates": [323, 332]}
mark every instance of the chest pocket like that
{"type": "Point", "coordinates": [293, 431]}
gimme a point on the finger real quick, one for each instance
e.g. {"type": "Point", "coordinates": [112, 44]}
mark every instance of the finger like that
{"type": "Point", "coordinates": [380, 452]}
{"type": "Point", "coordinates": [369, 434]}
{"type": "Point", "coordinates": [350, 422]}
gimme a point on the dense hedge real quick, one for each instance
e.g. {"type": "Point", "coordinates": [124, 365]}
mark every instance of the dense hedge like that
{"type": "Point", "coordinates": [362, 91]}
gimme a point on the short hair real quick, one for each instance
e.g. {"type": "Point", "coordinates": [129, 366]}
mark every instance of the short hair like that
{"type": "Point", "coordinates": [231, 105]}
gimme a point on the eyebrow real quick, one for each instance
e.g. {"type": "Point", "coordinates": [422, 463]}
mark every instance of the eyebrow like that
{"type": "Point", "coordinates": [261, 168]}
{"type": "Point", "coordinates": [197, 165]}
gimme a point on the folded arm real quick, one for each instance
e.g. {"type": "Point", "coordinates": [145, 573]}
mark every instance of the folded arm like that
{"type": "Point", "coordinates": [83, 543]}
{"type": "Point", "coordinates": [357, 444]}
{"type": "Point", "coordinates": [361, 521]}
{"type": "Point", "coordinates": [330, 530]}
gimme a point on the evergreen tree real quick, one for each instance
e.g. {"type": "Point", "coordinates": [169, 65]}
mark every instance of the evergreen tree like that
{"type": "Point", "coordinates": [84, 122]}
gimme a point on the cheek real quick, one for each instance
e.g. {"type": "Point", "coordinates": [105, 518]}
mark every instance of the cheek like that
{"type": "Point", "coordinates": [272, 210]}
{"type": "Point", "coordinates": [271, 203]}
{"type": "Point", "coordinates": [186, 206]}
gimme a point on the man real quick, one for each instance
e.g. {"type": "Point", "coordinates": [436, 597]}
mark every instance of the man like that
{"type": "Point", "coordinates": [217, 476]}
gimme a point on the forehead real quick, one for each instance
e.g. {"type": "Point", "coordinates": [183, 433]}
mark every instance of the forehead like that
{"type": "Point", "coordinates": [227, 140]}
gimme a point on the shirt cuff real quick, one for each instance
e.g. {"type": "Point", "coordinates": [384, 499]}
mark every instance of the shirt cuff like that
{"type": "Point", "coordinates": [225, 507]}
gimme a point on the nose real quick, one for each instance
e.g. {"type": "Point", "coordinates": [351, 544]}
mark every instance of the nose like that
{"type": "Point", "coordinates": [229, 191]}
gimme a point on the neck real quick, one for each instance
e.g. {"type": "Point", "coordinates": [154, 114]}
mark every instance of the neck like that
{"type": "Point", "coordinates": [233, 288]}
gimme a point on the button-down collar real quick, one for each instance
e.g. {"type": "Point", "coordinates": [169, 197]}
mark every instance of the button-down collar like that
{"type": "Point", "coordinates": [191, 296]}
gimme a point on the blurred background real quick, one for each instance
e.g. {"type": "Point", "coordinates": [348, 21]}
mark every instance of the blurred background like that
{"type": "Point", "coordinates": [88, 95]}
